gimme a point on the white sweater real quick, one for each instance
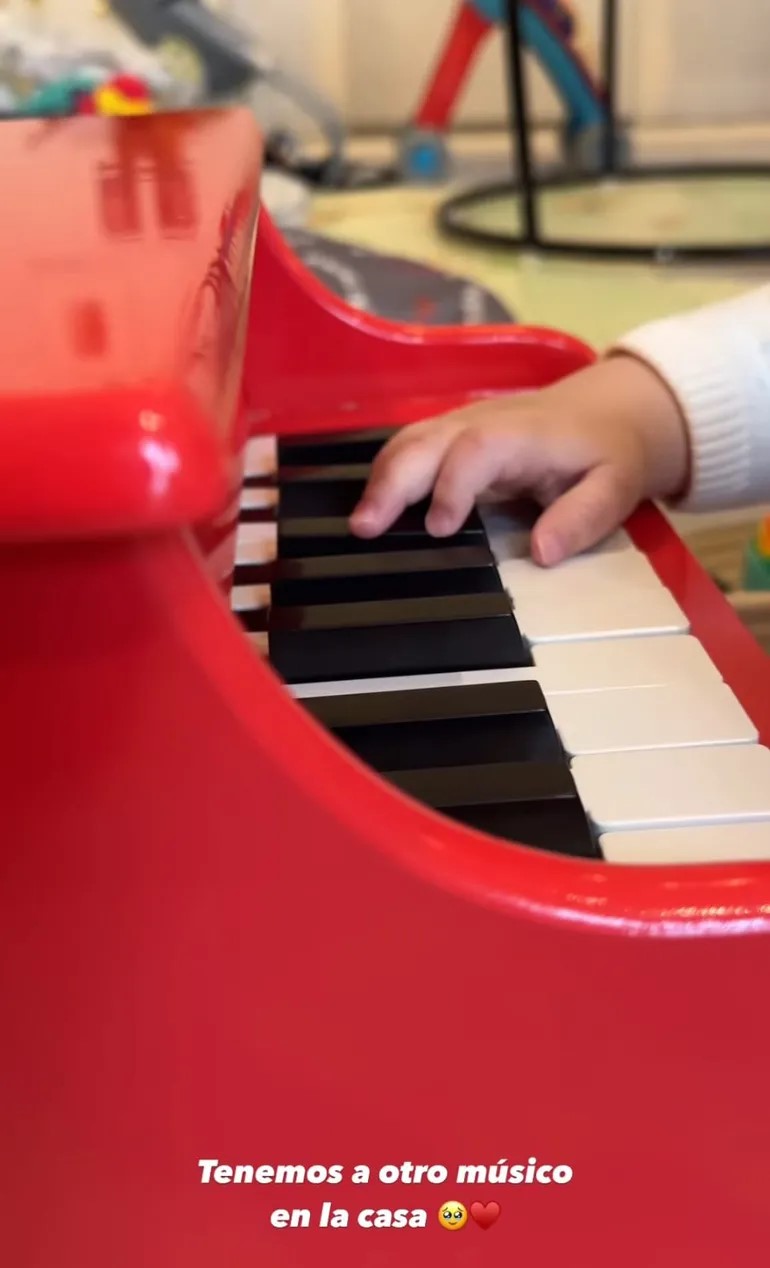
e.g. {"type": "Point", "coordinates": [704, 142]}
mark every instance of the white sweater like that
{"type": "Point", "coordinates": [716, 361]}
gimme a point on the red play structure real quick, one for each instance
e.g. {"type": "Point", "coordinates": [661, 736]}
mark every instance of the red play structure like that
{"type": "Point", "coordinates": [548, 29]}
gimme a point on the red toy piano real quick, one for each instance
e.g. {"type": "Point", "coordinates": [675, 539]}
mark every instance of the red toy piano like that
{"type": "Point", "coordinates": [341, 881]}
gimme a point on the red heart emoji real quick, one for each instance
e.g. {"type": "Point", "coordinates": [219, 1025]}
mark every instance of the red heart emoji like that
{"type": "Point", "coordinates": [485, 1216]}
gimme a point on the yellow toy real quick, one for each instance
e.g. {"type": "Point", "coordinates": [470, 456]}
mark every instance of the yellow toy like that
{"type": "Point", "coordinates": [756, 568]}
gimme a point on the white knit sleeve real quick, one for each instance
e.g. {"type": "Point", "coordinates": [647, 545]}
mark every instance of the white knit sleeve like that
{"type": "Point", "coordinates": [716, 361]}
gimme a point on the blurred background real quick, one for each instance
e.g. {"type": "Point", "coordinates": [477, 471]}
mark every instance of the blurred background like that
{"type": "Point", "coordinates": [699, 65]}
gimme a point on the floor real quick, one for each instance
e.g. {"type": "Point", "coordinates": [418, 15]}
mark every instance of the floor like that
{"type": "Point", "coordinates": [594, 300]}
{"type": "Point", "coordinates": [539, 290]}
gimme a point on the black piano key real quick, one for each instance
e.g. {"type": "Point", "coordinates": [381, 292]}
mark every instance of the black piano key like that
{"type": "Point", "coordinates": [429, 704]}
{"type": "Point", "coordinates": [388, 585]}
{"type": "Point", "coordinates": [329, 497]}
{"type": "Point", "coordinates": [533, 803]}
{"type": "Point", "coordinates": [559, 826]}
{"type": "Point", "coordinates": [457, 742]}
{"type": "Point", "coordinates": [303, 538]}
{"type": "Point", "coordinates": [412, 520]}
{"type": "Point", "coordinates": [406, 612]}
{"type": "Point", "coordinates": [342, 473]}
{"type": "Point", "coordinates": [333, 490]}
{"type": "Point", "coordinates": [393, 637]}
{"type": "Point", "coordinates": [293, 546]}
{"type": "Point", "coordinates": [257, 515]}
{"type": "Point", "coordinates": [452, 726]}
{"type": "Point", "coordinates": [322, 568]}
{"type": "Point", "coordinates": [334, 449]}
{"type": "Point", "coordinates": [254, 620]}
{"type": "Point", "coordinates": [494, 784]}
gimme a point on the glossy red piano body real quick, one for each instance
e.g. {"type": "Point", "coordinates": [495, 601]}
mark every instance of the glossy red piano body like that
{"type": "Point", "coordinates": [222, 937]}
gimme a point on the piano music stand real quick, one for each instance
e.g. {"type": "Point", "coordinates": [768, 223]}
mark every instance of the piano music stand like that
{"type": "Point", "coordinates": [527, 188]}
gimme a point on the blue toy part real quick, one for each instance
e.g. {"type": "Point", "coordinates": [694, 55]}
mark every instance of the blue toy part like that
{"type": "Point", "coordinates": [569, 79]}
{"type": "Point", "coordinates": [492, 10]}
{"type": "Point", "coordinates": [546, 28]}
{"type": "Point", "coordinates": [554, 10]}
{"type": "Point", "coordinates": [59, 99]}
{"type": "Point", "coordinates": [424, 156]}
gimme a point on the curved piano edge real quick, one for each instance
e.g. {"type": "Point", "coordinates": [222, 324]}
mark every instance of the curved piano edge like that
{"type": "Point", "coordinates": [133, 462]}
{"type": "Point", "coordinates": [354, 365]}
{"type": "Point", "coordinates": [743, 664]}
{"type": "Point", "coordinates": [298, 759]}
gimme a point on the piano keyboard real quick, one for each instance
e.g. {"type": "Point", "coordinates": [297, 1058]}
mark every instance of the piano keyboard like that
{"type": "Point", "coordinates": [570, 710]}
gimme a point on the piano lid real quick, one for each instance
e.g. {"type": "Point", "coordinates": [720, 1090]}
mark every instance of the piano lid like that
{"type": "Point", "coordinates": [125, 253]}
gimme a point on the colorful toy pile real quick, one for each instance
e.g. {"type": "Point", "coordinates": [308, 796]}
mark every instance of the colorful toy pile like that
{"type": "Point", "coordinates": [80, 94]}
{"type": "Point", "coordinates": [756, 567]}
{"type": "Point", "coordinates": [144, 54]}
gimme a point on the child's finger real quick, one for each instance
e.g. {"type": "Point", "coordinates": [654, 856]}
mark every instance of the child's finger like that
{"type": "Point", "coordinates": [402, 474]}
{"type": "Point", "coordinates": [584, 515]}
{"type": "Point", "coordinates": [478, 459]}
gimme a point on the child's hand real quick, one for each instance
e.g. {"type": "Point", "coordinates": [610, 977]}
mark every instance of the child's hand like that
{"type": "Point", "coordinates": [588, 449]}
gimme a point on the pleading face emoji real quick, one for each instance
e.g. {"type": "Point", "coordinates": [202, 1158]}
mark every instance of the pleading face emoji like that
{"type": "Point", "coordinates": [452, 1215]}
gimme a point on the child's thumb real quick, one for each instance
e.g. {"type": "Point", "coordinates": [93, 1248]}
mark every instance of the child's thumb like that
{"type": "Point", "coordinates": [584, 515]}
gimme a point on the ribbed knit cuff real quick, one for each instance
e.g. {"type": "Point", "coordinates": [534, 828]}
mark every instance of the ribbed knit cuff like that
{"type": "Point", "coordinates": [716, 362]}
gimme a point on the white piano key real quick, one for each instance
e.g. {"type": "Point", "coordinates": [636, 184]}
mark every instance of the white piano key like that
{"type": "Point", "coordinates": [506, 542]}
{"type": "Point", "coordinates": [259, 642]}
{"type": "Point", "coordinates": [411, 682]}
{"type": "Point", "coordinates": [249, 598]}
{"type": "Point", "coordinates": [619, 540]}
{"type": "Point", "coordinates": [616, 613]}
{"type": "Point", "coordinates": [256, 544]}
{"type": "Point", "coordinates": [509, 539]}
{"type": "Point", "coordinates": [725, 843]}
{"type": "Point", "coordinates": [554, 682]}
{"type": "Point", "coordinates": [601, 664]}
{"type": "Point", "coordinates": [650, 718]}
{"type": "Point", "coordinates": [579, 577]}
{"type": "Point", "coordinates": [261, 456]}
{"type": "Point", "coordinates": [668, 788]}
{"type": "Point", "coordinates": [258, 499]}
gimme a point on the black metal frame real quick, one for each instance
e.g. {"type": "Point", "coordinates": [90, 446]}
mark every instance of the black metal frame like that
{"type": "Point", "coordinates": [528, 186]}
